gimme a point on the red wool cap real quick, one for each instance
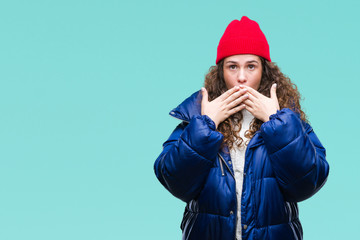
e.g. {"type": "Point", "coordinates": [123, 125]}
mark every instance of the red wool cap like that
{"type": "Point", "coordinates": [243, 37]}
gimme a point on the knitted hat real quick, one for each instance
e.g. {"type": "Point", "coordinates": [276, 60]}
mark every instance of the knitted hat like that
{"type": "Point", "coordinates": [243, 37]}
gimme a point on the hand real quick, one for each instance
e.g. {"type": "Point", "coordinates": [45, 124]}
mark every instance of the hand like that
{"type": "Point", "coordinates": [261, 106]}
{"type": "Point", "coordinates": [223, 106]}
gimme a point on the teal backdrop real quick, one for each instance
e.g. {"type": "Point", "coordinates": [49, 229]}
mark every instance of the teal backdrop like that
{"type": "Point", "coordinates": [85, 91]}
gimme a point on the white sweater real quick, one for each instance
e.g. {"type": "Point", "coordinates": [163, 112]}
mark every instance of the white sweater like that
{"type": "Point", "coordinates": [238, 158]}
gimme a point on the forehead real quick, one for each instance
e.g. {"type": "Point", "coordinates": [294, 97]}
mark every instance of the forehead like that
{"type": "Point", "coordinates": [242, 58]}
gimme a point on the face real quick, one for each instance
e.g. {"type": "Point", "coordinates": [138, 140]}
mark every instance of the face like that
{"type": "Point", "coordinates": [242, 69]}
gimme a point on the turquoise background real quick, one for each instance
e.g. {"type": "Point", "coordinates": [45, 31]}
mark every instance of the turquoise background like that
{"type": "Point", "coordinates": [85, 91]}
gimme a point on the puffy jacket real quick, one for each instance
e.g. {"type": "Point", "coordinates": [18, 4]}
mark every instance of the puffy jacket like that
{"type": "Point", "coordinates": [284, 164]}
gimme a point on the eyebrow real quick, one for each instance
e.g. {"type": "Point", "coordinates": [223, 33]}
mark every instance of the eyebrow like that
{"type": "Point", "coordinates": [251, 61]}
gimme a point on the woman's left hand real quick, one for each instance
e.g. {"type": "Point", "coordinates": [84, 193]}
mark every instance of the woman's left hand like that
{"type": "Point", "coordinates": [261, 106]}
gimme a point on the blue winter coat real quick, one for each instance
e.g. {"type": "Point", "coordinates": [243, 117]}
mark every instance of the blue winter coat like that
{"type": "Point", "coordinates": [284, 164]}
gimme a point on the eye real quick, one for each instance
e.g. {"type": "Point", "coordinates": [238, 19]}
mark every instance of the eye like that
{"type": "Point", "coordinates": [232, 67]}
{"type": "Point", "coordinates": [251, 67]}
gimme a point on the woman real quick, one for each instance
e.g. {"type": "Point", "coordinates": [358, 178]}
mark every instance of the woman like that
{"type": "Point", "coordinates": [244, 154]}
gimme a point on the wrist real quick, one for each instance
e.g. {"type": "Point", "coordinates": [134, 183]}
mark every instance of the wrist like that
{"type": "Point", "coordinates": [267, 118]}
{"type": "Point", "coordinates": [216, 122]}
{"type": "Point", "coordinates": [210, 121]}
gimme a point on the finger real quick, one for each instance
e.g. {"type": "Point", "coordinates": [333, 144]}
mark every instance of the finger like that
{"type": "Point", "coordinates": [226, 94]}
{"type": "Point", "coordinates": [205, 97]}
{"type": "Point", "coordinates": [273, 91]}
{"type": "Point", "coordinates": [252, 97]}
{"type": "Point", "coordinates": [252, 91]}
{"type": "Point", "coordinates": [250, 109]}
{"type": "Point", "coordinates": [237, 101]}
{"type": "Point", "coordinates": [235, 96]}
{"type": "Point", "coordinates": [249, 103]}
{"type": "Point", "coordinates": [237, 109]}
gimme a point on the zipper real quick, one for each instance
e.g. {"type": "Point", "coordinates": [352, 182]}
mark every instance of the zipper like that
{"type": "Point", "coordinates": [223, 160]}
{"type": "Point", "coordinates": [221, 167]}
{"type": "Point", "coordinates": [235, 212]}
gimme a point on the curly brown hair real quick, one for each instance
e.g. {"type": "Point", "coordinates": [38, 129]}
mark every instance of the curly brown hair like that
{"type": "Point", "coordinates": [286, 91]}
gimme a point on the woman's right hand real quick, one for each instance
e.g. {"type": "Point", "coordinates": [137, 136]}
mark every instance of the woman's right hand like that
{"type": "Point", "coordinates": [223, 106]}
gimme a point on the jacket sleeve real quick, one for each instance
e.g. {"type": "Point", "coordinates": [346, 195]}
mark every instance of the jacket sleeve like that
{"type": "Point", "coordinates": [187, 156]}
{"type": "Point", "coordinates": [296, 154]}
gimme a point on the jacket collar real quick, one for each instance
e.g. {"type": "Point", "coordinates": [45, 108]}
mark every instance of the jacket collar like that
{"type": "Point", "coordinates": [191, 107]}
{"type": "Point", "coordinates": [188, 108]}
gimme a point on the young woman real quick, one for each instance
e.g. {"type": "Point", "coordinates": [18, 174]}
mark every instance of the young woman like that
{"type": "Point", "coordinates": [244, 153]}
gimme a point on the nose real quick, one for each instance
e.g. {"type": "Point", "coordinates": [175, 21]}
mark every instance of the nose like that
{"type": "Point", "coordinates": [241, 76]}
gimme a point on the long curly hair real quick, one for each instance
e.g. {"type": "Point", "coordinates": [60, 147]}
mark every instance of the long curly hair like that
{"type": "Point", "coordinates": [286, 91]}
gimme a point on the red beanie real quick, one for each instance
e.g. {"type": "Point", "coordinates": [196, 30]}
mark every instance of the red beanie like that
{"type": "Point", "coordinates": [243, 37]}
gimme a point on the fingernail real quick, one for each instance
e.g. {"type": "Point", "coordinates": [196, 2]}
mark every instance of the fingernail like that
{"type": "Point", "coordinates": [202, 89]}
{"type": "Point", "coordinates": [275, 85]}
